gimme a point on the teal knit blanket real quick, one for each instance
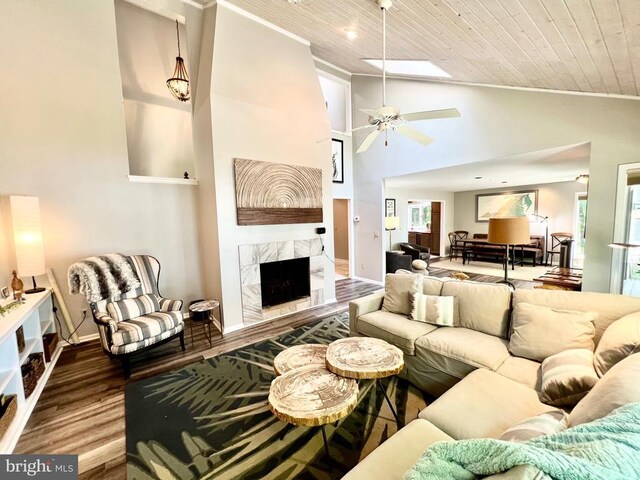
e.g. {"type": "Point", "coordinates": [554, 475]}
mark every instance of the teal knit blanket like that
{"type": "Point", "coordinates": [605, 449]}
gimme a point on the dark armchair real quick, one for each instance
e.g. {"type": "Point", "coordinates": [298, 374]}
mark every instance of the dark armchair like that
{"type": "Point", "coordinates": [417, 252]}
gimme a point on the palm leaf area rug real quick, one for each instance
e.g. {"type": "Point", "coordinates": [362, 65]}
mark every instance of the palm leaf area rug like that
{"type": "Point", "coordinates": [211, 419]}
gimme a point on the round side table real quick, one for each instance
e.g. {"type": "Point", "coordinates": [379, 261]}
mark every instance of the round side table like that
{"type": "Point", "coordinates": [206, 307]}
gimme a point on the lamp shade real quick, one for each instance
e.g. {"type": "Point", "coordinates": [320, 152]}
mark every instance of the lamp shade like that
{"type": "Point", "coordinates": [391, 223]}
{"type": "Point", "coordinates": [27, 235]}
{"type": "Point", "coordinates": [509, 231]}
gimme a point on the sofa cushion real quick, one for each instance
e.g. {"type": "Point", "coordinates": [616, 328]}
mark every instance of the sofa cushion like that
{"type": "Point", "coordinates": [609, 307]}
{"type": "Point", "coordinates": [398, 288]}
{"type": "Point", "coordinates": [567, 377]}
{"type": "Point", "coordinates": [432, 309]}
{"type": "Point", "coordinates": [396, 455]}
{"type": "Point", "coordinates": [146, 326]}
{"type": "Point", "coordinates": [459, 351]}
{"type": "Point", "coordinates": [433, 285]}
{"type": "Point", "coordinates": [395, 329]}
{"type": "Point", "coordinates": [620, 339]}
{"type": "Point", "coordinates": [133, 307]}
{"type": "Point", "coordinates": [482, 306]}
{"type": "Point", "coordinates": [539, 332]}
{"type": "Point", "coordinates": [548, 422]}
{"type": "Point", "coordinates": [618, 387]}
{"type": "Point", "coordinates": [522, 370]}
{"type": "Point", "coordinates": [483, 405]}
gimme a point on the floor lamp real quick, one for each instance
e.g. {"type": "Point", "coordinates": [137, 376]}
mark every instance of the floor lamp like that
{"type": "Point", "coordinates": [508, 231]}
{"type": "Point", "coordinates": [544, 220]}
{"type": "Point", "coordinates": [390, 224]}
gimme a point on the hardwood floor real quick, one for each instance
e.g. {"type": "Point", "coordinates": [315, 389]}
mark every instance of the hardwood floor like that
{"type": "Point", "coordinates": [81, 410]}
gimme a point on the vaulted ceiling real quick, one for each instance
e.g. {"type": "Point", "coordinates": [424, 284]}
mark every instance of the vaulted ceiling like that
{"type": "Point", "coordinates": [577, 45]}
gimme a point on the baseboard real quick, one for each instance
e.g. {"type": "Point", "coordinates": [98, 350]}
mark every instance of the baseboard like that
{"type": "Point", "coordinates": [235, 328]}
{"type": "Point", "coordinates": [82, 339]}
{"type": "Point", "coordinates": [331, 300]}
{"type": "Point", "coordinates": [368, 280]}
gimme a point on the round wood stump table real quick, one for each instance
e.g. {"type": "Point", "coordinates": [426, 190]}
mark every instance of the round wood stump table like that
{"type": "Point", "coordinates": [312, 396]}
{"type": "Point", "coordinates": [365, 358]}
{"type": "Point", "coordinates": [300, 356]}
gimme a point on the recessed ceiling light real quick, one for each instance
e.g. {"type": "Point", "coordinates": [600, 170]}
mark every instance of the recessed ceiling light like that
{"type": "Point", "coordinates": [352, 34]}
{"type": "Point", "coordinates": [414, 68]}
{"type": "Point", "coordinates": [477, 178]}
{"type": "Point", "coordinates": [504, 181]}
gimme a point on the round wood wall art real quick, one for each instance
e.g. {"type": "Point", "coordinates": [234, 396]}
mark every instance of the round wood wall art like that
{"type": "Point", "coordinates": [364, 357]}
{"type": "Point", "coordinates": [299, 356]}
{"type": "Point", "coordinates": [312, 396]}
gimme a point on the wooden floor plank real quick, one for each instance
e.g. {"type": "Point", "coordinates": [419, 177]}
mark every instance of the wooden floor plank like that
{"type": "Point", "coordinates": [81, 410]}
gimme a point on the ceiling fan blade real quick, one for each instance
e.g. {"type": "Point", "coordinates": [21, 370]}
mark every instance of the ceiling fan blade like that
{"type": "Point", "coordinates": [368, 141]}
{"type": "Point", "coordinates": [431, 114]}
{"type": "Point", "coordinates": [414, 134]}
{"type": "Point", "coordinates": [373, 113]}
{"type": "Point", "coordinates": [362, 128]}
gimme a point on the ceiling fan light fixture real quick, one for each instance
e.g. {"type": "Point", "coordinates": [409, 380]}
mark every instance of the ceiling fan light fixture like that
{"type": "Point", "coordinates": [178, 84]}
{"type": "Point", "coordinates": [351, 34]}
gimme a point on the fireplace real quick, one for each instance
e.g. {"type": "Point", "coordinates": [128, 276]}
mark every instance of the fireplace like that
{"type": "Point", "coordinates": [284, 281]}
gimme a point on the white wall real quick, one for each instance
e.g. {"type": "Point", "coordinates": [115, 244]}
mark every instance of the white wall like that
{"type": "Point", "coordinates": [555, 200]}
{"type": "Point", "coordinates": [495, 123]}
{"type": "Point", "coordinates": [63, 140]}
{"type": "Point", "coordinates": [266, 104]}
{"type": "Point", "coordinates": [403, 196]}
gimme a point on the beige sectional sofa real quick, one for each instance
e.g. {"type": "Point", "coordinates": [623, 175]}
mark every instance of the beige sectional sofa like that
{"type": "Point", "coordinates": [483, 390]}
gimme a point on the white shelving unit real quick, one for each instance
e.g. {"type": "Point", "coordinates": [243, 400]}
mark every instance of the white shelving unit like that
{"type": "Point", "coordinates": [36, 318]}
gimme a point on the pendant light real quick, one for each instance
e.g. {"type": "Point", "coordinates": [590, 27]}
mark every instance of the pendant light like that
{"type": "Point", "coordinates": [178, 84]}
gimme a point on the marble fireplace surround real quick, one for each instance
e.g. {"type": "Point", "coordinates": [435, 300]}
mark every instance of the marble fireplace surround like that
{"type": "Point", "coordinates": [251, 256]}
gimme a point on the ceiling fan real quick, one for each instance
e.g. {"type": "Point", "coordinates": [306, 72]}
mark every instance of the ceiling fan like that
{"type": "Point", "coordinates": [387, 118]}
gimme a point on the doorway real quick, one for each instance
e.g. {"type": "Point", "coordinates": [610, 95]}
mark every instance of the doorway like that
{"type": "Point", "coordinates": [341, 237]}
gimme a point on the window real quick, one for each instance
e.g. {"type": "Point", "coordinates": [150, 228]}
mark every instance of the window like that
{"type": "Point", "coordinates": [581, 226]}
{"type": "Point", "coordinates": [420, 216]}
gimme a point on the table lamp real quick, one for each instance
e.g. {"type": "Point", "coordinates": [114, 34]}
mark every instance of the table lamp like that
{"type": "Point", "coordinates": [391, 223]}
{"type": "Point", "coordinates": [509, 231]}
{"type": "Point", "coordinates": [27, 234]}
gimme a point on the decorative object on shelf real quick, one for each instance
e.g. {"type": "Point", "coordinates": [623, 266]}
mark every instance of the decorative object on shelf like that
{"type": "Point", "coordinates": [27, 234]}
{"type": "Point", "coordinates": [384, 119]}
{"type": "Point", "coordinates": [389, 207]}
{"type": "Point", "coordinates": [337, 160]}
{"type": "Point", "coordinates": [4, 309]}
{"type": "Point", "coordinates": [178, 84]}
{"type": "Point", "coordinates": [5, 293]}
{"type": "Point", "coordinates": [16, 286]}
{"type": "Point", "coordinates": [50, 342]}
{"type": "Point", "coordinates": [186, 175]}
{"type": "Point", "coordinates": [508, 231]}
{"type": "Point", "coordinates": [273, 193]}
{"type": "Point", "coordinates": [506, 204]}
{"type": "Point", "coordinates": [390, 224]}
{"type": "Point", "coordinates": [8, 409]}
{"type": "Point", "coordinates": [32, 370]}
{"type": "Point", "coordinates": [584, 179]}
{"type": "Point", "coordinates": [20, 339]}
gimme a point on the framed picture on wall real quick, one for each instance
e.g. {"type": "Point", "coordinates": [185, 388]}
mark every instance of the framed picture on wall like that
{"type": "Point", "coordinates": [337, 160]}
{"type": "Point", "coordinates": [389, 207]}
{"type": "Point", "coordinates": [506, 204]}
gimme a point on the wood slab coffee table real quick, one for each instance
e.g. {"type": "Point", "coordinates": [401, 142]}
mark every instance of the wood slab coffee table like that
{"type": "Point", "coordinates": [312, 396]}
{"type": "Point", "coordinates": [365, 358]}
{"type": "Point", "coordinates": [299, 356]}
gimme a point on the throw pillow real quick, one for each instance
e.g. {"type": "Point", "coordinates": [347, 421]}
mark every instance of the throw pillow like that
{"type": "Point", "coordinates": [539, 332]}
{"type": "Point", "coordinates": [617, 388]}
{"type": "Point", "coordinates": [620, 339]}
{"type": "Point", "coordinates": [133, 307]}
{"type": "Point", "coordinates": [433, 309]}
{"type": "Point", "coordinates": [552, 421]}
{"type": "Point", "coordinates": [398, 288]}
{"type": "Point", "coordinates": [567, 377]}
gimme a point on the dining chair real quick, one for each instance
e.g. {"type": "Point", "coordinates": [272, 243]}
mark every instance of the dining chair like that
{"type": "Point", "coordinates": [556, 241]}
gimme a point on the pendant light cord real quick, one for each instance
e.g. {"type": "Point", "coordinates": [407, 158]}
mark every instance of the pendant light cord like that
{"type": "Point", "coordinates": [178, 35]}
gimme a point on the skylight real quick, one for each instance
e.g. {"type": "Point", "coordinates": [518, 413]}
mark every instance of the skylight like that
{"type": "Point", "coordinates": [414, 68]}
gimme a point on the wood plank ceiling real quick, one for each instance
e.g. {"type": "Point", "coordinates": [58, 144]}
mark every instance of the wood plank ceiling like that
{"type": "Point", "coordinates": [577, 45]}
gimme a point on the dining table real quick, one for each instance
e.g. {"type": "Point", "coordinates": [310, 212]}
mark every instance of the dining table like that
{"type": "Point", "coordinates": [483, 241]}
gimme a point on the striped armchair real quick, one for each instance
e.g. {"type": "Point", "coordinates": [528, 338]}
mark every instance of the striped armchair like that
{"type": "Point", "coordinates": [140, 318]}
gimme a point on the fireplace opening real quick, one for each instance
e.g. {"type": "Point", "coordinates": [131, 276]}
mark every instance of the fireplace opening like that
{"type": "Point", "coordinates": [284, 281]}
